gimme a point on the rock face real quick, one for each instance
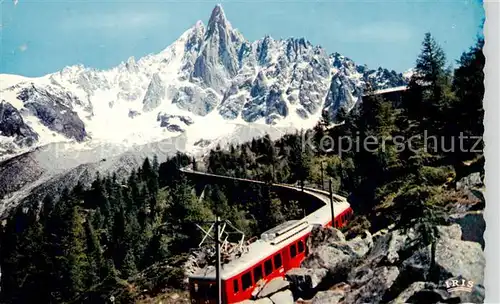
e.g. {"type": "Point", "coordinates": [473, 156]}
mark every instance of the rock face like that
{"type": "Point", "coordinates": [207, 70]}
{"type": "Point", "coordinates": [454, 257]}
{"type": "Point", "coordinates": [13, 125]}
{"type": "Point", "coordinates": [273, 287]}
{"type": "Point", "coordinates": [174, 123]}
{"type": "Point", "coordinates": [53, 112]}
{"type": "Point", "coordinates": [306, 280]}
{"type": "Point", "coordinates": [471, 181]}
{"type": "Point", "coordinates": [11, 122]}
{"type": "Point", "coordinates": [473, 226]}
{"type": "Point", "coordinates": [154, 94]}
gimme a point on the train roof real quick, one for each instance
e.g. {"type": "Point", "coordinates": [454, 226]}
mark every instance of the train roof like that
{"type": "Point", "coordinates": [270, 241]}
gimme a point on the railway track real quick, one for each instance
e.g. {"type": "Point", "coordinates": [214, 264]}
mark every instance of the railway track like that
{"type": "Point", "coordinates": [273, 254]}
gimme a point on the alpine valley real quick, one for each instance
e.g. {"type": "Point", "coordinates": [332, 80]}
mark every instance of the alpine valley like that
{"type": "Point", "coordinates": [210, 87]}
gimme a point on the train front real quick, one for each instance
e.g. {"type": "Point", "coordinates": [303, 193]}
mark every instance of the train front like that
{"type": "Point", "coordinates": [202, 287]}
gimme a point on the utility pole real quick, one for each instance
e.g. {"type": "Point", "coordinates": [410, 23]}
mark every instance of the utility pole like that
{"type": "Point", "coordinates": [218, 266]}
{"type": "Point", "coordinates": [322, 180]}
{"type": "Point", "coordinates": [216, 226]}
{"type": "Point", "coordinates": [331, 202]}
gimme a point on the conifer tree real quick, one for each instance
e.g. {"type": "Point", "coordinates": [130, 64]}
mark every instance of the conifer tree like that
{"type": "Point", "coordinates": [74, 259]}
{"type": "Point", "coordinates": [466, 118]}
{"type": "Point", "coordinates": [95, 258]}
{"type": "Point", "coordinates": [129, 267]}
{"type": "Point", "coordinates": [425, 99]}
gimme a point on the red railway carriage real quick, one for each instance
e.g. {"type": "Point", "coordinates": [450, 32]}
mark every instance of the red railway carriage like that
{"type": "Point", "coordinates": [277, 251]}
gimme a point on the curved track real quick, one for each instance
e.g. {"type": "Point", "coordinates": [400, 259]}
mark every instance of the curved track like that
{"type": "Point", "coordinates": [321, 195]}
{"type": "Point", "coordinates": [276, 242]}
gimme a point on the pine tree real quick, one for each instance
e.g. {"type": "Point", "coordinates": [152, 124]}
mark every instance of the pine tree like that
{"type": "Point", "coordinates": [430, 63]}
{"type": "Point", "coordinates": [95, 258]}
{"type": "Point", "coordinates": [426, 96]}
{"type": "Point", "coordinates": [300, 159]}
{"type": "Point", "coordinates": [467, 115]}
{"type": "Point", "coordinates": [47, 207]}
{"type": "Point", "coordinates": [22, 259]}
{"type": "Point", "coordinates": [416, 210]}
{"type": "Point", "coordinates": [156, 164]}
{"type": "Point", "coordinates": [118, 247]}
{"type": "Point", "coordinates": [184, 211]}
{"type": "Point", "coordinates": [129, 267]}
{"type": "Point", "coordinates": [74, 262]}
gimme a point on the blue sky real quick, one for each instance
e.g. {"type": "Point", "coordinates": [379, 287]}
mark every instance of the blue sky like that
{"type": "Point", "coordinates": [39, 37]}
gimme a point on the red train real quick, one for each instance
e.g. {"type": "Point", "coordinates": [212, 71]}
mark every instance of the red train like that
{"type": "Point", "coordinates": [277, 251]}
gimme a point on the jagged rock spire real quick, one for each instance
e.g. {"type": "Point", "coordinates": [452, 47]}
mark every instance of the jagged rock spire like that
{"type": "Point", "coordinates": [220, 50]}
{"type": "Point", "coordinates": [217, 21]}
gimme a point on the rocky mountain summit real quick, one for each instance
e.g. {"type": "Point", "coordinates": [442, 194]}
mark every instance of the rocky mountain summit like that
{"type": "Point", "coordinates": [210, 86]}
{"type": "Point", "coordinates": [211, 70]}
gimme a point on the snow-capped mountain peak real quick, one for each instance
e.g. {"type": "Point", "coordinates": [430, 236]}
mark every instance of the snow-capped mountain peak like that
{"type": "Point", "coordinates": [218, 22]}
{"type": "Point", "coordinates": [210, 73]}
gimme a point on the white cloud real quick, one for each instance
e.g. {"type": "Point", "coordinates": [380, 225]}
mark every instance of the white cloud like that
{"type": "Point", "coordinates": [23, 47]}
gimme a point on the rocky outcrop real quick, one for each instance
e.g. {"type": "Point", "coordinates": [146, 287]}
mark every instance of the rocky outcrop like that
{"type": "Point", "coordinates": [371, 286]}
{"type": "Point", "coordinates": [174, 123]}
{"type": "Point", "coordinates": [285, 296]}
{"type": "Point", "coordinates": [473, 180]}
{"type": "Point", "coordinates": [12, 125]}
{"type": "Point", "coordinates": [54, 112]}
{"type": "Point", "coordinates": [195, 99]}
{"type": "Point", "coordinates": [218, 61]}
{"type": "Point", "coordinates": [454, 257]}
{"type": "Point", "coordinates": [328, 297]}
{"type": "Point", "coordinates": [306, 280]}
{"type": "Point", "coordinates": [274, 286]}
{"type": "Point", "coordinates": [387, 267]}
{"type": "Point", "coordinates": [154, 94]}
{"type": "Point", "coordinates": [473, 226]}
{"type": "Point", "coordinates": [428, 292]}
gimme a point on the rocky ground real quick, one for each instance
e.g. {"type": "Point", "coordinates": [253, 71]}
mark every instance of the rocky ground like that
{"type": "Point", "coordinates": [391, 266]}
{"type": "Point", "coordinates": [383, 267]}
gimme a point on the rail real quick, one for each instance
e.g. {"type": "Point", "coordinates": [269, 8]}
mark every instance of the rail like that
{"type": "Point", "coordinates": [336, 197]}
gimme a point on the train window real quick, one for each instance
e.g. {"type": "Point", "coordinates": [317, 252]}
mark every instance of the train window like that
{"type": "Point", "coordinates": [268, 267]}
{"type": "Point", "coordinates": [293, 250]}
{"type": "Point", "coordinates": [257, 273]}
{"type": "Point", "coordinates": [246, 281]}
{"type": "Point", "coordinates": [277, 261]}
{"type": "Point", "coordinates": [236, 287]}
{"type": "Point", "coordinates": [212, 291]}
{"type": "Point", "coordinates": [301, 246]}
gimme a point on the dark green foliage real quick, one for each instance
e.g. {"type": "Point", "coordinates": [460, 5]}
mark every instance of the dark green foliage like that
{"type": "Point", "coordinates": [468, 112]}
{"type": "Point", "coordinates": [83, 245]}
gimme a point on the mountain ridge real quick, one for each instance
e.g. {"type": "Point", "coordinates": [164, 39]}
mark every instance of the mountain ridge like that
{"type": "Point", "coordinates": [210, 86]}
{"type": "Point", "coordinates": [208, 69]}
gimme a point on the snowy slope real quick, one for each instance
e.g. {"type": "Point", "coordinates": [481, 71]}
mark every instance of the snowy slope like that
{"type": "Point", "coordinates": [211, 86]}
{"type": "Point", "coordinates": [209, 76]}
